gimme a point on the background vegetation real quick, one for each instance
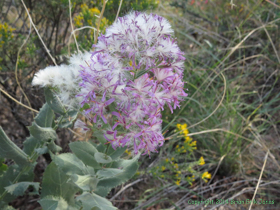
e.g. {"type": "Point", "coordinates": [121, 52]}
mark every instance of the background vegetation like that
{"type": "Point", "coordinates": [232, 112]}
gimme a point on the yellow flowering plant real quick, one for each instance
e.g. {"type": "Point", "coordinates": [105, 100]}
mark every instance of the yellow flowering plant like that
{"type": "Point", "coordinates": [180, 165]}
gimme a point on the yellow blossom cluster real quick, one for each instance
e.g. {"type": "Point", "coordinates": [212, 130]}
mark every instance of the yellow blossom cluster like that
{"type": "Point", "coordinates": [6, 33]}
{"type": "Point", "coordinates": [189, 143]}
{"type": "Point", "coordinates": [206, 176]}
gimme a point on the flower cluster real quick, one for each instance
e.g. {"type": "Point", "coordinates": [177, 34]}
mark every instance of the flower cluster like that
{"type": "Point", "coordinates": [135, 70]}
{"type": "Point", "coordinates": [189, 144]}
{"type": "Point", "coordinates": [138, 67]}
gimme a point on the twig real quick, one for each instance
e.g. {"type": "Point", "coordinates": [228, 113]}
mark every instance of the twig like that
{"type": "Point", "coordinates": [99, 21]}
{"type": "Point", "coordinates": [265, 159]}
{"type": "Point", "coordinates": [216, 169]}
{"type": "Point", "coordinates": [125, 187]}
{"type": "Point", "coordinates": [38, 33]}
{"type": "Point", "coordinates": [16, 69]}
{"type": "Point", "coordinates": [118, 10]}
{"type": "Point", "coordinates": [70, 15]}
{"type": "Point", "coordinates": [7, 94]}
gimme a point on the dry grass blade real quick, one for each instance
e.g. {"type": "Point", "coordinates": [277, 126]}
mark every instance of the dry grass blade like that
{"type": "Point", "coordinates": [265, 159]}
{"type": "Point", "coordinates": [16, 69]}
{"type": "Point", "coordinates": [99, 21]}
{"type": "Point", "coordinates": [38, 33]}
{"type": "Point", "coordinates": [27, 107]}
{"type": "Point", "coordinates": [70, 15]}
{"type": "Point", "coordinates": [118, 10]}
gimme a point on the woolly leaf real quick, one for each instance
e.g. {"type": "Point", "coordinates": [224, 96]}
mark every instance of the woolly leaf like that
{"type": "Point", "coordinates": [19, 188]}
{"type": "Point", "coordinates": [68, 119]}
{"type": "Point", "coordinates": [45, 117]}
{"type": "Point", "coordinates": [11, 151]}
{"type": "Point", "coordinates": [57, 183]}
{"type": "Point", "coordinates": [43, 134]}
{"type": "Point", "coordinates": [56, 203]}
{"type": "Point", "coordinates": [108, 172]}
{"type": "Point", "coordinates": [115, 153]}
{"type": "Point", "coordinates": [92, 200]}
{"type": "Point", "coordinates": [11, 177]}
{"type": "Point", "coordinates": [129, 168]}
{"type": "Point", "coordinates": [102, 158]}
{"type": "Point", "coordinates": [41, 151]}
{"type": "Point", "coordinates": [85, 182]}
{"type": "Point", "coordinates": [70, 164]}
{"type": "Point", "coordinates": [30, 144]}
{"type": "Point", "coordinates": [85, 152]}
{"type": "Point", "coordinates": [54, 102]}
{"type": "Point", "coordinates": [53, 147]}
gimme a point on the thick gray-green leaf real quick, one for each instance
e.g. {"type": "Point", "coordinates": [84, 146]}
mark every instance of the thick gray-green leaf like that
{"type": "Point", "coordinates": [70, 164]}
{"type": "Point", "coordinates": [10, 177]}
{"type": "Point", "coordinates": [67, 119]}
{"type": "Point", "coordinates": [42, 134]}
{"type": "Point", "coordinates": [99, 136]}
{"type": "Point", "coordinates": [56, 203]}
{"type": "Point", "coordinates": [54, 102]}
{"type": "Point", "coordinates": [11, 151]}
{"type": "Point", "coordinates": [30, 144]}
{"type": "Point", "coordinates": [108, 172]}
{"type": "Point", "coordinates": [19, 188]}
{"type": "Point", "coordinates": [45, 116]}
{"type": "Point", "coordinates": [92, 200]}
{"type": "Point", "coordinates": [53, 147]}
{"type": "Point", "coordinates": [115, 153]}
{"type": "Point", "coordinates": [85, 182]}
{"type": "Point", "coordinates": [129, 168]}
{"type": "Point", "coordinates": [85, 152]}
{"type": "Point", "coordinates": [7, 208]}
{"type": "Point", "coordinates": [57, 183]}
{"type": "Point", "coordinates": [102, 158]}
{"type": "Point", "coordinates": [41, 151]}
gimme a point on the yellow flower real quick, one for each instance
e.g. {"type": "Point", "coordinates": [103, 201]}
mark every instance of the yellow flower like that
{"type": "Point", "coordinates": [163, 168]}
{"type": "Point", "coordinates": [177, 146]}
{"type": "Point", "coordinates": [205, 176]}
{"type": "Point", "coordinates": [177, 182]}
{"type": "Point", "coordinates": [178, 172]}
{"type": "Point", "coordinates": [179, 126]}
{"type": "Point", "coordinates": [176, 166]}
{"type": "Point", "coordinates": [172, 158]}
{"type": "Point", "coordinates": [201, 161]}
{"type": "Point", "coordinates": [166, 160]}
{"type": "Point", "coordinates": [184, 126]}
{"type": "Point", "coordinates": [162, 176]}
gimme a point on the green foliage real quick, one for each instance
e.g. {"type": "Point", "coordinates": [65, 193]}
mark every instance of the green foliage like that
{"type": "Point", "coordinates": [18, 189]}
{"type": "Point", "coordinates": [9, 150]}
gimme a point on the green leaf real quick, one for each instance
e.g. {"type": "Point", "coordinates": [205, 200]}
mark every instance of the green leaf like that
{"type": "Point", "coordinates": [19, 188]}
{"type": "Point", "coordinates": [54, 102]}
{"type": "Point", "coordinates": [30, 144]}
{"type": "Point", "coordinates": [129, 168]}
{"type": "Point", "coordinates": [68, 119]}
{"type": "Point", "coordinates": [108, 172]}
{"type": "Point", "coordinates": [92, 200]}
{"type": "Point", "coordinates": [115, 153]}
{"type": "Point", "coordinates": [56, 203]}
{"type": "Point", "coordinates": [102, 158]}
{"type": "Point", "coordinates": [99, 136]}
{"type": "Point", "coordinates": [45, 117]}
{"type": "Point", "coordinates": [9, 150]}
{"type": "Point", "coordinates": [141, 72]}
{"type": "Point", "coordinates": [85, 182]}
{"type": "Point", "coordinates": [10, 177]}
{"type": "Point", "coordinates": [3, 167]}
{"type": "Point", "coordinates": [56, 183]}
{"type": "Point", "coordinates": [70, 164]}
{"type": "Point", "coordinates": [85, 152]}
{"type": "Point", "coordinates": [41, 151]}
{"type": "Point", "coordinates": [53, 147]}
{"type": "Point", "coordinates": [42, 134]}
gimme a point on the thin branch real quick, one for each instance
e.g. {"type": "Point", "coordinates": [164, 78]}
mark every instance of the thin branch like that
{"type": "Point", "coordinates": [70, 15]}
{"type": "Point", "coordinates": [38, 33]}
{"type": "Point", "coordinates": [118, 10]}
{"type": "Point", "coordinates": [99, 21]}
